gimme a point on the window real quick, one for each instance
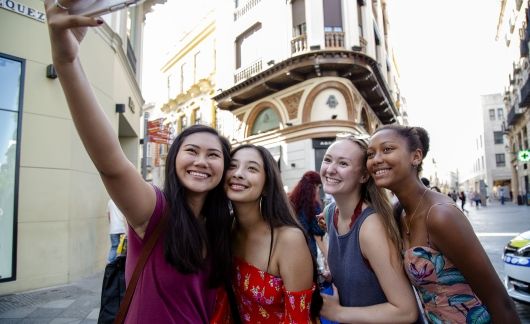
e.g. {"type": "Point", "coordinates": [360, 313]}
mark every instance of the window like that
{"type": "Point", "coordinates": [498, 137]}
{"type": "Point", "coordinates": [500, 160]}
{"type": "Point", "coordinates": [299, 23]}
{"type": "Point", "coordinates": [183, 121]}
{"type": "Point", "coordinates": [197, 116]}
{"type": "Point", "coordinates": [492, 114]}
{"type": "Point", "coordinates": [182, 77]}
{"type": "Point", "coordinates": [12, 84]}
{"type": "Point", "coordinates": [267, 120]}
{"type": "Point", "coordinates": [249, 46]}
{"type": "Point", "coordinates": [332, 16]}
{"type": "Point", "coordinates": [360, 17]}
{"type": "Point", "coordinates": [500, 113]}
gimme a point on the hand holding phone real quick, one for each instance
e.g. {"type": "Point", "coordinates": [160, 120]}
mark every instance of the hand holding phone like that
{"type": "Point", "coordinates": [94, 8]}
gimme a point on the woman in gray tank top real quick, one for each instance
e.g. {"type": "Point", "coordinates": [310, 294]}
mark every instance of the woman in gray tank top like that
{"type": "Point", "coordinates": [363, 255]}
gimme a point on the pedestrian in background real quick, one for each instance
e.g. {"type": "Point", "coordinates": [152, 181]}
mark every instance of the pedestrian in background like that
{"type": "Point", "coordinates": [462, 197]}
{"type": "Point", "coordinates": [442, 255]}
{"type": "Point", "coordinates": [274, 273]}
{"type": "Point", "coordinates": [117, 225]}
{"type": "Point", "coordinates": [305, 199]}
{"type": "Point", "coordinates": [369, 284]}
{"type": "Point", "coordinates": [191, 259]}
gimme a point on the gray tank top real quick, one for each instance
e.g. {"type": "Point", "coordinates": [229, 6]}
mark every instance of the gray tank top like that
{"type": "Point", "coordinates": [356, 282]}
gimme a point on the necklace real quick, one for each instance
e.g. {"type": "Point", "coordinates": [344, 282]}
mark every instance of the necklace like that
{"type": "Point", "coordinates": [414, 213]}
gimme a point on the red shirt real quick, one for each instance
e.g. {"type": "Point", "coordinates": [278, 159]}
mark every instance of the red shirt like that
{"type": "Point", "coordinates": [262, 297]}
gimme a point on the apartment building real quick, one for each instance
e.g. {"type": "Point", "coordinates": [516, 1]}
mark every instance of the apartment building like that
{"type": "Point", "coordinates": [53, 222]}
{"type": "Point", "coordinates": [490, 174]}
{"type": "Point", "coordinates": [295, 73]}
{"type": "Point", "coordinates": [513, 29]}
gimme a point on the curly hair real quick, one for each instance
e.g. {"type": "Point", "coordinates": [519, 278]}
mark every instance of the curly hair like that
{"type": "Point", "coordinates": [302, 196]}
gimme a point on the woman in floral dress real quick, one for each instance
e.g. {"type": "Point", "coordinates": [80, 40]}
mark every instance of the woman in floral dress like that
{"type": "Point", "coordinates": [443, 258]}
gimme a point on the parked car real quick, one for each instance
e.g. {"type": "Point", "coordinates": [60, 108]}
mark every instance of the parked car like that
{"type": "Point", "coordinates": [516, 258]}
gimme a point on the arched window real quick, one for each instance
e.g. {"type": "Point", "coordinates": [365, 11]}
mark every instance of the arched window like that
{"type": "Point", "coordinates": [266, 120]}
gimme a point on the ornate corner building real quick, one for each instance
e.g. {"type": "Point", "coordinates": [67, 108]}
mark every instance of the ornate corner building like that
{"type": "Point", "coordinates": [289, 75]}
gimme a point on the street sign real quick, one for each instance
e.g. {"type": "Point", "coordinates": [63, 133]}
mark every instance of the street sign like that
{"type": "Point", "coordinates": [524, 155]}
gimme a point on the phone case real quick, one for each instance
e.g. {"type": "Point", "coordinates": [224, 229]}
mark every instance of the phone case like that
{"type": "Point", "coordinates": [93, 8]}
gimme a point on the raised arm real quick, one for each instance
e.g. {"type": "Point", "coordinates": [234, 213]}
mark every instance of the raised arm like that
{"type": "Point", "coordinates": [452, 234]}
{"type": "Point", "coordinates": [386, 264]}
{"type": "Point", "coordinates": [124, 184]}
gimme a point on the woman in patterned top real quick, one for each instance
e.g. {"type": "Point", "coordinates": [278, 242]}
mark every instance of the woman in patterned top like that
{"type": "Point", "coordinates": [443, 258]}
{"type": "Point", "coordinates": [274, 273]}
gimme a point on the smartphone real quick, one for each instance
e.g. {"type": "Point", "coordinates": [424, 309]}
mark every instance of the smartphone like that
{"type": "Point", "coordinates": [94, 8]}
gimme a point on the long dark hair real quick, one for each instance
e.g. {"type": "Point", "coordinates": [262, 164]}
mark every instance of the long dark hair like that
{"type": "Point", "coordinates": [186, 239]}
{"type": "Point", "coordinates": [303, 195]}
{"type": "Point", "coordinates": [276, 210]}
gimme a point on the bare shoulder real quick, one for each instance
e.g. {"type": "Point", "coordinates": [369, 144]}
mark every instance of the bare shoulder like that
{"type": "Point", "coordinates": [291, 236]}
{"type": "Point", "coordinates": [372, 227]}
{"type": "Point", "coordinates": [444, 216]}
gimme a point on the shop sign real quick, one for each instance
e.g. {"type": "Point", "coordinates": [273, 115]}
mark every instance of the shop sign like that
{"type": "Point", "coordinates": [23, 10]}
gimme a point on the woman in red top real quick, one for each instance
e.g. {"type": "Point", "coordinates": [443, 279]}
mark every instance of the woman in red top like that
{"type": "Point", "coordinates": [274, 273]}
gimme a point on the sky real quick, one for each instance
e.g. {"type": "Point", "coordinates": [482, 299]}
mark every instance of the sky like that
{"type": "Point", "coordinates": [448, 57]}
{"type": "Point", "coordinates": [446, 54]}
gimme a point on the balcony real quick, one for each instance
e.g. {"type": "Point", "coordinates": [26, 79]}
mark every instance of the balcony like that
{"type": "Point", "coordinates": [241, 10]}
{"type": "Point", "coordinates": [299, 44]}
{"type": "Point", "coordinates": [245, 73]}
{"type": "Point", "coordinates": [513, 115]}
{"type": "Point", "coordinates": [525, 94]}
{"type": "Point", "coordinates": [332, 40]}
{"type": "Point", "coordinates": [361, 69]}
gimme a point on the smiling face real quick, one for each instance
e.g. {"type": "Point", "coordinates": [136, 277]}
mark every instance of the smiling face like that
{"type": "Point", "coordinates": [199, 162]}
{"type": "Point", "coordinates": [342, 169]}
{"type": "Point", "coordinates": [245, 177]}
{"type": "Point", "coordinates": [390, 160]}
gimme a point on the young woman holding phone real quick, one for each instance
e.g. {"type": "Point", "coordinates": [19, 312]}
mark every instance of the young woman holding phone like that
{"type": "Point", "coordinates": [191, 259]}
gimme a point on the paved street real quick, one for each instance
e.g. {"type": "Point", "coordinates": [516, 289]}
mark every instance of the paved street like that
{"type": "Point", "coordinates": [495, 225]}
{"type": "Point", "coordinates": [79, 301]}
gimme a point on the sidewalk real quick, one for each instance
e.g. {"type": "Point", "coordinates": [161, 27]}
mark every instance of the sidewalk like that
{"type": "Point", "coordinates": [77, 302]}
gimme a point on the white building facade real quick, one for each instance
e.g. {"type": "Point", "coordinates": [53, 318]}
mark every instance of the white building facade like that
{"type": "Point", "coordinates": [490, 174]}
{"type": "Point", "coordinates": [513, 29]}
{"type": "Point", "coordinates": [53, 222]}
{"type": "Point", "coordinates": [296, 73]}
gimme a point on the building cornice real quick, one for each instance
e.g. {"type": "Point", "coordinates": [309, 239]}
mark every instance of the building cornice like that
{"type": "Point", "coordinates": [362, 70]}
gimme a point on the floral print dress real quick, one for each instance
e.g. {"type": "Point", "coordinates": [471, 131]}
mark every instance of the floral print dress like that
{"type": "Point", "coordinates": [443, 290]}
{"type": "Point", "coordinates": [262, 297]}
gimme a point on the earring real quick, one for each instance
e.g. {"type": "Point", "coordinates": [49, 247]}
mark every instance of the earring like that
{"type": "Point", "coordinates": [414, 165]}
{"type": "Point", "coordinates": [260, 200]}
